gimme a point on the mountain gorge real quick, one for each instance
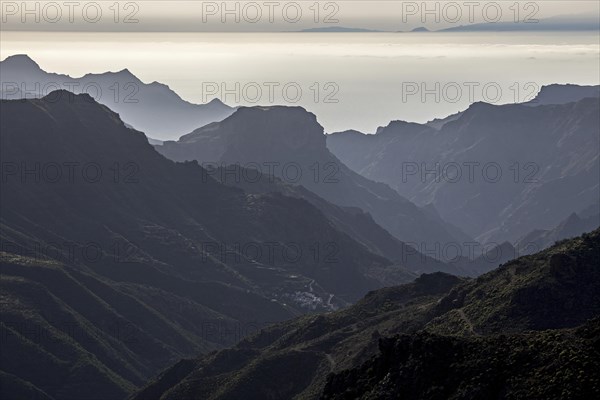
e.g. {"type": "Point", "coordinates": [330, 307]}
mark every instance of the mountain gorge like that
{"type": "Point", "coordinates": [249, 255]}
{"type": "Point", "coordinates": [288, 142]}
{"type": "Point", "coordinates": [116, 261]}
{"type": "Point", "coordinates": [496, 172]}
{"type": "Point", "coordinates": [351, 220]}
{"type": "Point", "coordinates": [439, 337]}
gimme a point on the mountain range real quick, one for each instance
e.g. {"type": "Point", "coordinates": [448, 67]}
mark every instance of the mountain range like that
{"type": "Point", "coordinates": [152, 108]}
{"type": "Point", "coordinates": [117, 261]}
{"type": "Point", "coordinates": [574, 225]}
{"type": "Point", "coordinates": [524, 330]}
{"type": "Point", "coordinates": [497, 172]}
{"type": "Point", "coordinates": [257, 257]}
{"type": "Point", "coordinates": [289, 143]}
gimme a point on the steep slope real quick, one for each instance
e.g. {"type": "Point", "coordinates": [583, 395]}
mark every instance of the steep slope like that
{"type": "Point", "coordinates": [496, 172]}
{"type": "Point", "coordinates": [288, 142]}
{"type": "Point", "coordinates": [302, 351]}
{"type": "Point", "coordinates": [351, 220]}
{"type": "Point", "coordinates": [552, 289]}
{"type": "Point", "coordinates": [574, 225]}
{"type": "Point", "coordinates": [551, 365]}
{"type": "Point", "coordinates": [479, 318]}
{"type": "Point", "coordinates": [150, 107]}
{"type": "Point", "coordinates": [487, 258]}
{"type": "Point", "coordinates": [116, 261]}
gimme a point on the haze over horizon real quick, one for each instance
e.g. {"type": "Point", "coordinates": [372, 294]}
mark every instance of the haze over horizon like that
{"type": "Point", "coordinates": [280, 16]}
{"type": "Point", "coordinates": [330, 74]}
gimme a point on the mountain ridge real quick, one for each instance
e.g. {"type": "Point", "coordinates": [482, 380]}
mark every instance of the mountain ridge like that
{"type": "Point", "coordinates": [435, 316]}
{"type": "Point", "coordinates": [494, 137]}
{"type": "Point", "coordinates": [291, 139]}
{"type": "Point", "coordinates": [153, 108]}
{"type": "Point", "coordinates": [145, 259]}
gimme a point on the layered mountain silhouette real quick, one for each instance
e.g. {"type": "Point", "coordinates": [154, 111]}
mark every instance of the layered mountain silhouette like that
{"type": "Point", "coordinates": [116, 261]}
{"type": "Point", "coordinates": [511, 333]}
{"type": "Point", "coordinates": [361, 227]}
{"type": "Point", "coordinates": [256, 257]}
{"type": "Point", "coordinates": [351, 220]}
{"type": "Point", "coordinates": [574, 225]}
{"type": "Point", "coordinates": [563, 94]}
{"type": "Point", "coordinates": [289, 143]}
{"type": "Point", "coordinates": [152, 108]}
{"type": "Point", "coordinates": [496, 172]}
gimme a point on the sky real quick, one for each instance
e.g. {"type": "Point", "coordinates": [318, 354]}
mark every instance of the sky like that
{"type": "Point", "coordinates": [274, 16]}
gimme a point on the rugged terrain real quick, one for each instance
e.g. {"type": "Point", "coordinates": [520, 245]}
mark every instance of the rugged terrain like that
{"type": "Point", "coordinates": [510, 333]}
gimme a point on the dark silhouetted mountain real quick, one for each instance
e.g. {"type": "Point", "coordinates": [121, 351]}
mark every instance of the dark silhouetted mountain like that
{"type": "Point", "coordinates": [563, 94]}
{"type": "Point", "coordinates": [287, 142]}
{"type": "Point", "coordinates": [550, 94]}
{"type": "Point", "coordinates": [301, 352]}
{"type": "Point", "coordinates": [458, 339]}
{"type": "Point", "coordinates": [351, 220]}
{"type": "Point", "coordinates": [116, 261]}
{"type": "Point", "coordinates": [517, 366]}
{"type": "Point", "coordinates": [150, 107]}
{"type": "Point", "coordinates": [496, 172]}
{"type": "Point", "coordinates": [438, 123]}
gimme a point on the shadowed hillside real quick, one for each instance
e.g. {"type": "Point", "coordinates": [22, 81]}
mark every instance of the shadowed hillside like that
{"type": "Point", "coordinates": [289, 143]}
{"type": "Point", "coordinates": [491, 337]}
{"type": "Point", "coordinates": [116, 261]}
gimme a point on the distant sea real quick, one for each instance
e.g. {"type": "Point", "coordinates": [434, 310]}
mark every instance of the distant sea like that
{"type": "Point", "coordinates": [349, 80]}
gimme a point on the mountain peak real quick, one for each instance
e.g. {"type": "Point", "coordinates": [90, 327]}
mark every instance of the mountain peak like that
{"type": "Point", "coordinates": [563, 93]}
{"type": "Point", "coordinates": [284, 128]}
{"type": "Point", "coordinates": [351, 132]}
{"type": "Point", "coordinates": [480, 109]}
{"type": "Point", "coordinates": [277, 109]}
{"type": "Point", "coordinates": [125, 73]}
{"type": "Point", "coordinates": [399, 127]}
{"type": "Point", "coordinates": [21, 61]}
{"type": "Point", "coordinates": [64, 95]}
{"type": "Point", "coordinates": [571, 221]}
{"type": "Point", "coordinates": [215, 102]}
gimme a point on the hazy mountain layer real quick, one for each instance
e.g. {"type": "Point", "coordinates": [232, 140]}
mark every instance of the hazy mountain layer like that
{"type": "Point", "coordinates": [351, 220]}
{"type": "Point", "coordinates": [152, 108]}
{"type": "Point", "coordinates": [496, 172]}
{"type": "Point", "coordinates": [288, 142]}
